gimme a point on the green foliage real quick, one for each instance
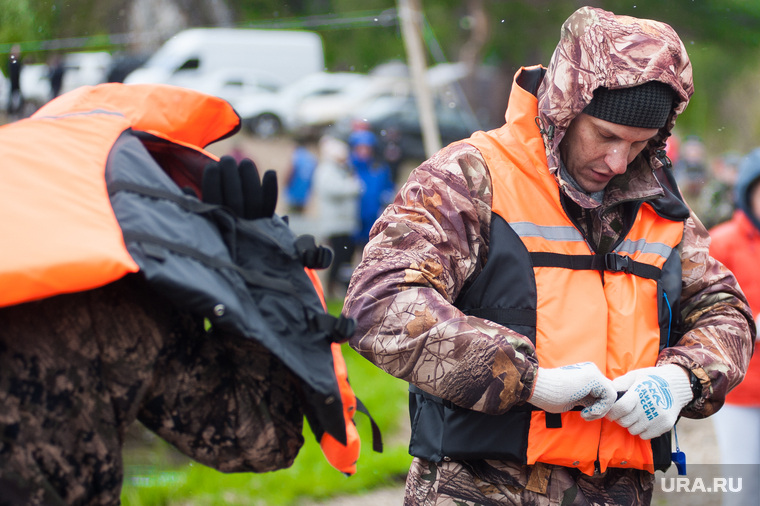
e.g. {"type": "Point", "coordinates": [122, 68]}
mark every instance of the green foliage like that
{"type": "Point", "coordinates": [19, 21]}
{"type": "Point", "coordinates": [156, 474]}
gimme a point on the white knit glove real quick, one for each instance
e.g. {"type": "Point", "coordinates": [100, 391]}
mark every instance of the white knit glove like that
{"type": "Point", "coordinates": [654, 398]}
{"type": "Point", "coordinates": [561, 389]}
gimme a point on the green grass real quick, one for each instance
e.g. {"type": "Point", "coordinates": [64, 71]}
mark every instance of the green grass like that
{"type": "Point", "coordinates": [156, 474]}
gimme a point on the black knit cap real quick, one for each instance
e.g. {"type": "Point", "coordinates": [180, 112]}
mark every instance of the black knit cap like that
{"type": "Point", "coordinates": [644, 106]}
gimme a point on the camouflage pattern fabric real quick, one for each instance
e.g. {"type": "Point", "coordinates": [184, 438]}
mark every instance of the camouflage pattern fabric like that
{"type": "Point", "coordinates": [432, 241]}
{"type": "Point", "coordinates": [76, 370]}
{"type": "Point", "coordinates": [491, 483]}
{"type": "Point", "coordinates": [598, 48]}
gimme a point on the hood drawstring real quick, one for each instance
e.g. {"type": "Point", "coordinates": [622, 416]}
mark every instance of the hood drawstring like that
{"type": "Point", "coordinates": [544, 131]}
{"type": "Point", "coordinates": [661, 155]}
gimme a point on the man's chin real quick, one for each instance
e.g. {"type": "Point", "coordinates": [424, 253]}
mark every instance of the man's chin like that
{"type": "Point", "coordinates": [593, 188]}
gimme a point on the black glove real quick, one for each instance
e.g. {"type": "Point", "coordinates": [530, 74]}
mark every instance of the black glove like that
{"type": "Point", "coordinates": [239, 188]}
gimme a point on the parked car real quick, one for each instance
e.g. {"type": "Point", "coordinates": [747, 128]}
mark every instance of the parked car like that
{"type": "Point", "coordinates": [280, 56]}
{"type": "Point", "coordinates": [266, 115]}
{"type": "Point", "coordinates": [389, 81]}
{"type": "Point", "coordinates": [4, 90]}
{"type": "Point", "coordinates": [396, 119]}
{"type": "Point", "coordinates": [80, 69]}
{"type": "Point", "coordinates": [235, 84]}
{"type": "Point", "coordinates": [35, 86]}
{"type": "Point", "coordinates": [323, 111]}
{"type": "Point", "coordinates": [85, 69]}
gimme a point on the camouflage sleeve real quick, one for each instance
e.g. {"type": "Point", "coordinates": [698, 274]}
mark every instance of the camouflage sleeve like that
{"type": "Point", "coordinates": [719, 330]}
{"type": "Point", "coordinates": [226, 402]}
{"type": "Point", "coordinates": [424, 248]}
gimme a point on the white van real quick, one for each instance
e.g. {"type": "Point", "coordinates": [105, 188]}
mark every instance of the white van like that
{"type": "Point", "coordinates": [275, 57]}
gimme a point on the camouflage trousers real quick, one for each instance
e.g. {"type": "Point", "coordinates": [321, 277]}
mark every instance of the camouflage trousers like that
{"type": "Point", "coordinates": [492, 483]}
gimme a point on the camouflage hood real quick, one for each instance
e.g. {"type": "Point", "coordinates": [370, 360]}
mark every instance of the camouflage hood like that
{"type": "Point", "coordinates": [598, 48]}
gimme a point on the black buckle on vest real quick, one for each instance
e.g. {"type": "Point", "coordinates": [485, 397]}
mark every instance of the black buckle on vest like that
{"type": "Point", "coordinates": [618, 263]}
{"type": "Point", "coordinates": [313, 256]}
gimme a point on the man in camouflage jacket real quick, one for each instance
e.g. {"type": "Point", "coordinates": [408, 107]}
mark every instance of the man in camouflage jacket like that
{"type": "Point", "coordinates": [435, 238]}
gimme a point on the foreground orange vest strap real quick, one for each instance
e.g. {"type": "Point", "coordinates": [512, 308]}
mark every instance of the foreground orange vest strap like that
{"type": "Point", "coordinates": [59, 231]}
{"type": "Point", "coordinates": [341, 457]}
{"type": "Point", "coordinates": [609, 318]}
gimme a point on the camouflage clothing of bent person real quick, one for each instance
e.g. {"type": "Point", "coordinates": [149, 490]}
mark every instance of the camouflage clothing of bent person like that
{"type": "Point", "coordinates": [76, 370]}
{"type": "Point", "coordinates": [433, 241]}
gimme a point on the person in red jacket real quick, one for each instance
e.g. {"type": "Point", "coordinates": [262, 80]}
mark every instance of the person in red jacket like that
{"type": "Point", "coordinates": [736, 243]}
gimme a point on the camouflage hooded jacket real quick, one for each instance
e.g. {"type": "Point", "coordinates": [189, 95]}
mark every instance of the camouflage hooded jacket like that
{"type": "Point", "coordinates": [433, 240]}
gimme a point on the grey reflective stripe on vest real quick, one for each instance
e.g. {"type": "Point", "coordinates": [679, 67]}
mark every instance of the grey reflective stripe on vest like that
{"type": "Point", "coordinates": [642, 246]}
{"type": "Point", "coordinates": [560, 233]}
{"type": "Point", "coordinates": [571, 234]}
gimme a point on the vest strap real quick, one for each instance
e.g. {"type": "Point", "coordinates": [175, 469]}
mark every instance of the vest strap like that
{"type": "Point", "coordinates": [514, 316]}
{"type": "Point", "coordinates": [377, 437]}
{"type": "Point", "coordinates": [611, 262]}
{"type": "Point", "coordinates": [184, 201]}
{"type": "Point", "coordinates": [254, 278]}
{"type": "Point", "coordinates": [339, 329]}
{"type": "Point", "coordinates": [313, 256]}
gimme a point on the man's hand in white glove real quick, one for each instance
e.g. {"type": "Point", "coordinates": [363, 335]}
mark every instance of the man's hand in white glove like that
{"type": "Point", "coordinates": [654, 398]}
{"type": "Point", "coordinates": [561, 389]}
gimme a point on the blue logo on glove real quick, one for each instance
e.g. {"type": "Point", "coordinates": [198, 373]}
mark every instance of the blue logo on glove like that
{"type": "Point", "coordinates": [654, 392]}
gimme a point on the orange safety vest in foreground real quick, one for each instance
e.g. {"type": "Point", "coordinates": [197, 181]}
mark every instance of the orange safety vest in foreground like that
{"type": "Point", "coordinates": [67, 170]}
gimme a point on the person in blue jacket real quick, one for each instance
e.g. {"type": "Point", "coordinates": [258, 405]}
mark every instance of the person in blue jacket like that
{"type": "Point", "coordinates": [303, 163]}
{"type": "Point", "coordinates": [378, 187]}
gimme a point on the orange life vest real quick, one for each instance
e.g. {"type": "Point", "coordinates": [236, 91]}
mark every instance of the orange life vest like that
{"type": "Point", "coordinates": [63, 236]}
{"type": "Point", "coordinates": [609, 318]}
{"type": "Point", "coordinates": [57, 213]}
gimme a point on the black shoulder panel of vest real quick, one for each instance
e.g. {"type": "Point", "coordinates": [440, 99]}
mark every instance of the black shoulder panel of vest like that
{"type": "Point", "coordinates": [669, 298]}
{"type": "Point", "coordinates": [530, 79]}
{"type": "Point", "coordinates": [245, 276]}
{"type": "Point", "coordinates": [505, 291]}
{"type": "Point", "coordinates": [670, 206]}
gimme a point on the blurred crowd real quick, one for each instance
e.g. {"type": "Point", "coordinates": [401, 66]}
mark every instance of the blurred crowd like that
{"type": "Point", "coordinates": [707, 182]}
{"type": "Point", "coordinates": [344, 184]}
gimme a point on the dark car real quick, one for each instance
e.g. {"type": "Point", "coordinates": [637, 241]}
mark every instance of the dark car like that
{"type": "Point", "coordinates": [396, 120]}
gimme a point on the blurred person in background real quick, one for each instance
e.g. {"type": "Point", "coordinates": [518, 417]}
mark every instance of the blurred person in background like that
{"type": "Point", "coordinates": [393, 152]}
{"type": "Point", "coordinates": [336, 193]}
{"type": "Point", "coordinates": [299, 180]}
{"type": "Point", "coordinates": [376, 179]}
{"type": "Point", "coordinates": [525, 275]}
{"type": "Point", "coordinates": [15, 96]}
{"type": "Point", "coordinates": [736, 243]}
{"type": "Point", "coordinates": [56, 71]}
{"type": "Point", "coordinates": [717, 203]}
{"type": "Point", "coordinates": [691, 171]}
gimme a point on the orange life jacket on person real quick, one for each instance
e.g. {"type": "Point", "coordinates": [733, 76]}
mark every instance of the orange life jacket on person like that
{"type": "Point", "coordinates": [542, 279]}
{"type": "Point", "coordinates": [79, 185]}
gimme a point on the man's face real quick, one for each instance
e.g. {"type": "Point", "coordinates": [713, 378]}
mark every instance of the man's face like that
{"type": "Point", "coordinates": [594, 150]}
